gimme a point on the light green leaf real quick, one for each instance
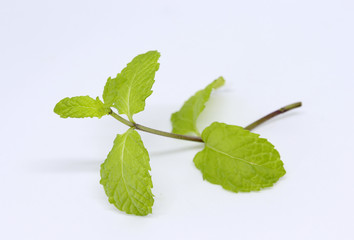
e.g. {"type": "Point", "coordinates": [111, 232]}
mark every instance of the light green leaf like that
{"type": "Point", "coordinates": [80, 107]}
{"type": "Point", "coordinates": [185, 120]}
{"type": "Point", "coordinates": [238, 159]}
{"type": "Point", "coordinates": [110, 92]}
{"type": "Point", "coordinates": [135, 83]}
{"type": "Point", "coordinates": [125, 175]}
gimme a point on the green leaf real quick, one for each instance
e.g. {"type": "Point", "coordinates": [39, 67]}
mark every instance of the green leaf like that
{"type": "Point", "coordinates": [110, 92]}
{"type": "Point", "coordinates": [135, 83]}
{"type": "Point", "coordinates": [80, 107]}
{"type": "Point", "coordinates": [185, 120]}
{"type": "Point", "coordinates": [125, 175]}
{"type": "Point", "coordinates": [238, 159]}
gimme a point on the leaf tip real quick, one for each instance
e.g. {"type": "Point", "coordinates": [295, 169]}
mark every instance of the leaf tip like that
{"type": "Point", "coordinates": [220, 81]}
{"type": "Point", "coordinates": [59, 107]}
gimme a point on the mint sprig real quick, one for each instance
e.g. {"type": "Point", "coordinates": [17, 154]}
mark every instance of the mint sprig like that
{"type": "Point", "coordinates": [233, 157]}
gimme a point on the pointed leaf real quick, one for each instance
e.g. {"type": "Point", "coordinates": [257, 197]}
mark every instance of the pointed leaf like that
{"type": "Point", "coordinates": [125, 175]}
{"type": "Point", "coordinates": [135, 83]}
{"type": "Point", "coordinates": [80, 107]}
{"type": "Point", "coordinates": [185, 120]}
{"type": "Point", "coordinates": [238, 159]}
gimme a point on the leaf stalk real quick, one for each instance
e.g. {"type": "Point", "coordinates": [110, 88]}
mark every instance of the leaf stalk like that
{"type": "Point", "coordinates": [154, 131]}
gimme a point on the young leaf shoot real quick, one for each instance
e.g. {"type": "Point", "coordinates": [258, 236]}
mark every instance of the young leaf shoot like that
{"type": "Point", "coordinates": [185, 120]}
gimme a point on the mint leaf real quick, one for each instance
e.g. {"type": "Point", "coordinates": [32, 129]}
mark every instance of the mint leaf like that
{"type": "Point", "coordinates": [238, 159]}
{"type": "Point", "coordinates": [125, 175]}
{"type": "Point", "coordinates": [80, 107]}
{"type": "Point", "coordinates": [185, 120]}
{"type": "Point", "coordinates": [110, 92]}
{"type": "Point", "coordinates": [134, 83]}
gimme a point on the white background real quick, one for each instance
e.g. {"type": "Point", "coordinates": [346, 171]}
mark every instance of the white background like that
{"type": "Point", "coordinates": [271, 53]}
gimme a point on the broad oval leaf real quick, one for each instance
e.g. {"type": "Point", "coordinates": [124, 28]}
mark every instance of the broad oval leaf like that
{"type": "Point", "coordinates": [125, 175]}
{"type": "Point", "coordinates": [134, 83]}
{"type": "Point", "coordinates": [185, 120]}
{"type": "Point", "coordinates": [238, 159]}
{"type": "Point", "coordinates": [80, 107]}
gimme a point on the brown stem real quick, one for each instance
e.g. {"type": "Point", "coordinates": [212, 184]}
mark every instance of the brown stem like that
{"type": "Point", "coordinates": [273, 114]}
{"type": "Point", "coordinates": [195, 138]}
